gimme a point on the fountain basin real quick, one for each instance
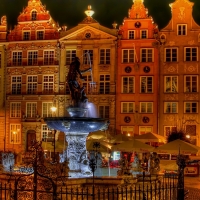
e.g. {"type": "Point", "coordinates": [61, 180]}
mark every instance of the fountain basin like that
{"type": "Point", "coordinates": [76, 125]}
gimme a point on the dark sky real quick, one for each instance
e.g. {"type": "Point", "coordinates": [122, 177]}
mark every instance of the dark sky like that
{"type": "Point", "coordinates": [71, 12]}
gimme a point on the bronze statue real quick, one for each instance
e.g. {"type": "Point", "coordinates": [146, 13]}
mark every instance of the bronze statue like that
{"type": "Point", "coordinates": [74, 74]}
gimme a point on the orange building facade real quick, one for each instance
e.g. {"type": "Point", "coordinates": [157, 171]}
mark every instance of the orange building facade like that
{"type": "Point", "coordinates": [137, 73]}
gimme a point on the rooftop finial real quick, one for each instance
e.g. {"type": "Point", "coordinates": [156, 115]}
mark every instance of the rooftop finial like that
{"type": "Point", "coordinates": [89, 12]}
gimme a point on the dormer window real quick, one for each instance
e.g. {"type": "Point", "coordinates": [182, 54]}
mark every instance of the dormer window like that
{"type": "Point", "coordinates": [26, 35]}
{"type": "Point", "coordinates": [40, 35]}
{"type": "Point", "coordinates": [181, 29]}
{"type": "Point", "coordinates": [143, 34]}
{"type": "Point", "coordinates": [33, 15]}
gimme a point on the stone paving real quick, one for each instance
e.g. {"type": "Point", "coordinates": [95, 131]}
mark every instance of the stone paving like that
{"type": "Point", "coordinates": [193, 185]}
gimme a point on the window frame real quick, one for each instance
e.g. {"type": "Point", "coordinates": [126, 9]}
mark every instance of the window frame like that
{"type": "Point", "coordinates": [146, 85]}
{"type": "Point", "coordinates": [128, 85]}
{"type": "Point", "coordinates": [191, 88]}
{"type": "Point", "coordinates": [70, 55]}
{"type": "Point", "coordinates": [146, 129]}
{"type": "Point", "coordinates": [38, 34]}
{"type": "Point", "coordinates": [32, 86]}
{"type": "Point", "coordinates": [104, 111]}
{"type": "Point", "coordinates": [104, 85]}
{"type": "Point", "coordinates": [31, 112]}
{"type": "Point", "coordinates": [129, 58]}
{"type": "Point", "coordinates": [146, 58]}
{"type": "Point", "coordinates": [130, 35]}
{"type": "Point", "coordinates": [17, 59]}
{"type": "Point", "coordinates": [33, 15]}
{"type": "Point", "coordinates": [105, 59]}
{"type": "Point", "coordinates": [49, 58]}
{"type": "Point", "coordinates": [15, 109]}
{"type": "Point", "coordinates": [26, 37]}
{"type": "Point", "coordinates": [171, 129]}
{"type": "Point", "coordinates": [171, 84]}
{"type": "Point", "coordinates": [32, 58]}
{"type": "Point", "coordinates": [127, 104]}
{"type": "Point", "coordinates": [48, 84]}
{"type": "Point", "coordinates": [171, 107]}
{"type": "Point", "coordinates": [85, 57]}
{"type": "Point", "coordinates": [17, 89]}
{"type": "Point", "coordinates": [141, 34]}
{"type": "Point", "coordinates": [191, 57]}
{"type": "Point", "coordinates": [190, 111]}
{"type": "Point", "coordinates": [171, 57]}
{"type": "Point", "coordinates": [132, 128]}
{"type": "Point", "coordinates": [15, 133]}
{"type": "Point", "coordinates": [49, 112]}
{"type": "Point", "coordinates": [181, 31]}
{"type": "Point", "coordinates": [146, 104]}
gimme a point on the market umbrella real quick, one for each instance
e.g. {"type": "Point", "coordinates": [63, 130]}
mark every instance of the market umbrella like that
{"type": "Point", "coordinates": [133, 145]}
{"type": "Point", "coordinates": [150, 137]}
{"type": "Point", "coordinates": [120, 138]}
{"type": "Point", "coordinates": [99, 135]}
{"type": "Point", "coordinates": [104, 146]}
{"type": "Point", "coordinates": [178, 145]}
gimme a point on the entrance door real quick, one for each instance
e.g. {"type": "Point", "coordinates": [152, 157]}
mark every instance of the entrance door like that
{"type": "Point", "coordinates": [31, 136]}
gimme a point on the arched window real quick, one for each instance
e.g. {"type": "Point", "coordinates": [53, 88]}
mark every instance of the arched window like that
{"type": "Point", "coordinates": [34, 15]}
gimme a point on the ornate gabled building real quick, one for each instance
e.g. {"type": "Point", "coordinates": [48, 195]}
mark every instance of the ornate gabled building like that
{"type": "Point", "coordinates": [95, 45]}
{"type": "Point", "coordinates": [137, 73]}
{"type": "Point", "coordinates": [179, 105]}
{"type": "Point", "coordinates": [32, 76]}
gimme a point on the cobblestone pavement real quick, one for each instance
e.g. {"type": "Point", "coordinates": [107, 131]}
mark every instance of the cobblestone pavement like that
{"type": "Point", "coordinates": [194, 194]}
{"type": "Point", "coordinates": [193, 185]}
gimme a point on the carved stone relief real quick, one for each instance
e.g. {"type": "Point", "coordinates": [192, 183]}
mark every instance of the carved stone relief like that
{"type": "Point", "coordinates": [171, 69]}
{"type": "Point", "coordinates": [103, 68]}
{"type": "Point", "coordinates": [191, 42]}
{"type": "Point", "coordinates": [191, 68]}
{"type": "Point", "coordinates": [181, 14]}
{"type": "Point", "coordinates": [169, 97]}
{"type": "Point", "coordinates": [170, 118]}
{"type": "Point", "coordinates": [191, 97]}
{"type": "Point", "coordinates": [171, 43]}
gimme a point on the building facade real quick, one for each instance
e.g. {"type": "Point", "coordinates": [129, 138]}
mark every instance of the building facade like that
{"type": "Point", "coordinates": [137, 74]}
{"type": "Point", "coordinates": [179, 72]}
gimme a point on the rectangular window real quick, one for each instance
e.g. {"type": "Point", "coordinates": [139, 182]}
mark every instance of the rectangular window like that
{"type": "Point", "coordinates": [104, 112]}
{"type": "Point", "coordinates": [32, 58]}
{"type": "Point", "coordinates": [87, 57]}
{"type": "Point", "coordinates": [104, 56]}
{"type": "Point", "coordinates": [48, 57]}
{"type": "Point", "coordinates": [131, 34]}
{"type": "Point", "coordinates": [46, 109]}
{"type": "Point", "coordinates": [191, 54]}
{"type": "Point", "coordinates": [171, 55]}
{"type": "Point", "coordinates": [191, 83]}
{"type": "Point", "coordinates": [127, 56]}
{"type": "Point", "coordinates": [171, 84]}
{"type": "Point", "coordinates": [15, 133]}
{"type": "Point", "coordinates": [17, 58]}
{"type": "Point", "coordinates": [104, 84]}
{"type": "Point", "coordinates": [170, 107]}
{"type": "Point", "coordinates": [31, 110]}
{"type": "Point", "coordinates": [143, 34]}
{"type": "Point", "coordinates": [145, 129]}
{"type": "Point", "coordinates": [182, 29]}
{"type": "Point", "coordinates": [70, 54]}
{"type": "Point", "coordinates": [16, 84]}
{"type": "Point", "coordinates": [32, 84]}
{"type": "Point", "coordinates": [47, 135]}
{"type": "Point", "coordinates": [128, 84]}
{"type": "Point", "coordinates": [26, 36]}
{"type": "Point", "coordinates": [146, 84]}
{"type": "Point", "coordinates": [40, 35]}
{"type": "Point", "coordinates": [127, 107]}
{"type": "Point", "coordinates": [146, 55]}
{"type": "Point", "coordinates": [127, 130]}
{"type": "Point", "coordinates": [86, 83]}
{"type": "Point", "coordinates": [190, 107]}
{"type": "Point", "coordinates": [15, 110]}
{"type": "Point", "coordinates": [146, 107]}
{"type": "Point", "coordinates": [168, 130]}
{"type": "Point", "coordinates": [48, 84]}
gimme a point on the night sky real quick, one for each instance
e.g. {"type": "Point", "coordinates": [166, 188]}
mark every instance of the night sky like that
{"type": "Point", "coordinates": [71, 12]}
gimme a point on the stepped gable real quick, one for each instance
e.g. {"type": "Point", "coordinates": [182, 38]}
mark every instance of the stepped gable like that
{"type": "Point", "coordinates": [33, 18]}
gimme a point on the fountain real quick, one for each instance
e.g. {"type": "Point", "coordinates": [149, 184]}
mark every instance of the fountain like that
{"type": "Point", "coordinates": [77, 127]}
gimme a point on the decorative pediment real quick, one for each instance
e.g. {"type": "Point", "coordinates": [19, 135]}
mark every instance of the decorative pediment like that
{"type": "Point", "coordinates": [87, 33]}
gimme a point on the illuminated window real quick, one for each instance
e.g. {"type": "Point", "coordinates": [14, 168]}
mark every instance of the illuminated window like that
{"type": "Point", "coordinates": [146, 107]}
{"type": "Point", "coordinates": [171, 55]}
{"type": "Point", "coordinates": [104, 84]}
{"type": "Point", "coordinates": [47, 135]}
{"type": "Point", "coordinates": [143, 34]}
{"type": "Point", "coordinates": [48, 84]}
{"type": "Point", "coordinates": [127, 56]}
{"type": "Point", "coordinates": [181, 29]}
{"type": "Point", "coordinates": [31, 110]}
{"type": "Point", "coordinates": [147, 55]}
{"type": "Point", "coordinates": [16, 84]}
{"type": "Point", "coordinates": [145, 129]}
{"type": "Point", "coordinates": [86, 83]}
{"type": "Point", "coordinates": [170, 107]}
{"type": "Point", "coordinates": [190, 107]}
{"type": "Point", "coordinates": [104, 112]}
{"type": "Point", "coordinates": [171, 84]}
{"type": "Point", "coordinates": [15, 110]}
{"type": "Point", "coordinates": [34, 15]}
{"type": "Point", "coordinates": [40, 35]}
{"type": "Point", "coordinates": [32, 58]}
{"type": "Point", "coordinates": [32, 84]}
{"type": "Point", "coordinates": [70, 54]}
{"type": "Point", "coordinates": [128, 85]}
{"type": "Point", "coordinates": [48, 57]}
{"type": "Point", "coordinates": [191, 83]}
{"type": "Point", "coordinates": [17, 58]}
{"type": "Point", "coordinates": [190, 54]}
{"type": "Point", "coordinates": [26, 35]}
{"type": "Point", "coordinates": [127, 107]}
{"type": "Point", "coordinates": [127, 130]}
{"type": "Point", "coordinates": [87, 57]}
{"type": "Point", "coordinates": [104, 56]}
{"type": "Point", "coordinates": [168, 130]}
{"type": "Point", "coordinates": [131, 34]}
{"type": "Point", "coordinates": [46, 109]}
{"type": "Point", "coordinates": [146, 84]}
{"type": "Point", "coordinates": [15, 133]}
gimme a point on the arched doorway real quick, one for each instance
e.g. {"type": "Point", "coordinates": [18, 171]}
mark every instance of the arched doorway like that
{"type": "Point", "coordinates": [31, 136]}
